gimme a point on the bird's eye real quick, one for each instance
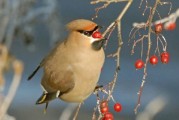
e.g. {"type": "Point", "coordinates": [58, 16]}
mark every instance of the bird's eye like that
{"type": "Point", "coordinates": [87, 33]}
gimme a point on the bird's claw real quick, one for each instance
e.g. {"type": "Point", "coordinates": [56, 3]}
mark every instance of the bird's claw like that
{"type": "Point", "coordinates": [98, 88]}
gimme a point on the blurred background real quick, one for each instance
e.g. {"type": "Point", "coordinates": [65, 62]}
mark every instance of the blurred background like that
{"type": "Point", "coordinates": [46, 25]}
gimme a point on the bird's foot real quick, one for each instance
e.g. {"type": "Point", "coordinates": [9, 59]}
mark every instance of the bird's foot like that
{"type": "Point", "coordinates": [98, 88]}
{"type": "Point", "coordinates": [45, 110]}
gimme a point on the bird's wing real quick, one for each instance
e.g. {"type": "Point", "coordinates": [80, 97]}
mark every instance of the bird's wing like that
{"type": "Point", "coordinates": [44, 60]}
{"type": "Point", "coordinates": [37, 68]}
{"type": "Point", "coordinates": [62, 80]}
{"type": "Point", "coordinates": [33, 73]}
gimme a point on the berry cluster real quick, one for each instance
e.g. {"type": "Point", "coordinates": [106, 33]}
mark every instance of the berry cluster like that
{"type": "Point", "coordinates": [164, 57]}
{"type": "Point", "coordinates": [167, 26]}
{"type": "Point", "coordinates": [105, 110]}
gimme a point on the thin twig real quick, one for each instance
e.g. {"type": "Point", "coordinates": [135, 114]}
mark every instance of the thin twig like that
{"type": "Point", "coordinates": [105, 5]}
{"type": "Point", "coordinates": [135, 43]}
{"type": "Point", "coordinates": [172, 17]}
{"type": "Point", "coordinates": [119, 17]}
{"type": "Point", "coordinates": [77, 111]}
{"type": "Point", "coordinates": [4, 59]}
{"type": "Point", "coordinates": [148, 54]}
{"type": "Point", "coordinates": [117, 55]}
{"type": "Point", "coordinates": [108, 31]}
{"type": "Point", "coordinates": [67, 112]}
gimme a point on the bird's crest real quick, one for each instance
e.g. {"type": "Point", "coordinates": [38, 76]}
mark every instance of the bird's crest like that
{"type": "Point", "coordinates": [81, 24]}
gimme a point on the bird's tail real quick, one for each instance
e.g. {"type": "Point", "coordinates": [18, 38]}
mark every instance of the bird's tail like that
{"type": "Point", "coordinates": [46, 97]}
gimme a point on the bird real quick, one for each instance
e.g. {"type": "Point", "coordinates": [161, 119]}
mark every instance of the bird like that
{"type": "Point", "coordinates": [72, 69]}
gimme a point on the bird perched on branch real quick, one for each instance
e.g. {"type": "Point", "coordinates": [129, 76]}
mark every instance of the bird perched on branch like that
{"type": "Point", "coordinates": [72, 68]}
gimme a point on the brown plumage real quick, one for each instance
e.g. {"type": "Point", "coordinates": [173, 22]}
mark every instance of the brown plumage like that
{"type": "Point", "coordinates": [72, 69]}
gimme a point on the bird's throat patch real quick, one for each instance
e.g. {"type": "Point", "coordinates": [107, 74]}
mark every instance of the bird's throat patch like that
{"type": "Point", "coordinates": [97, 45]}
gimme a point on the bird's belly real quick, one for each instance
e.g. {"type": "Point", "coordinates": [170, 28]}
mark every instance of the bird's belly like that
{"type": "Point", "coordinates": [84, 84]}
{"type": "Point", "coordinates": [76, 95]}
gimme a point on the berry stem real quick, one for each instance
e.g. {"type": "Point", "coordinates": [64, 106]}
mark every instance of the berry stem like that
{"type": "Point", "coordinates": [153, 10]}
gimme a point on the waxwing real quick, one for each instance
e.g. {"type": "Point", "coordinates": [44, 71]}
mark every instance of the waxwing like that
{"type": "Point", "coordinates": [72, 69]}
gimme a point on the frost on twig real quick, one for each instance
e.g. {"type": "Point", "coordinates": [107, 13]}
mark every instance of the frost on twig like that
{"type": "Point", "coordinates": [169, 19]}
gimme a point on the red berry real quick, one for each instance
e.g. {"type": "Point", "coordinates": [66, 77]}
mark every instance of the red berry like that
{"type": "Point", "coordinates": [158, 28]}
{"type": "Point", "coordinates": [154, 60]}
{"type": "Point", "coordinates": [108, 118]}
{"type": "Point", "coordinates": [96, 34]}
{"type": "Point", "coordinates": [117, 107]}
{"type": "Point", "coordinates": [103, 103]}
{"type": "Point", "coordinates": [104, 110]}
{"type": "Point", "coordinates": [165, 56]}
{"type": "Point", "coordinates": [139, 64]}
{"type": "Point", "coordinates": [108, 115]}
{"type": "Point", "coordinates": [164, 60]}
{"type": "Point", "coordinates": [170, 26]}
{"type": "Point", "coordinates": [104, 106]}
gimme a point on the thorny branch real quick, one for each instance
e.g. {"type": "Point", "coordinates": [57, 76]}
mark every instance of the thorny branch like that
{"type": "Point", "coordinates": [108, 31]}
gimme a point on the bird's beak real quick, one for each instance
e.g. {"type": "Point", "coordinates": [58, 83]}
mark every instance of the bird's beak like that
{"type": "Point", "coordinates": [98, 44]}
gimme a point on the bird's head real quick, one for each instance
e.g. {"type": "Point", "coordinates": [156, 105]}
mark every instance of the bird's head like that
{"type": "Point", "coordinates": [86, 33]}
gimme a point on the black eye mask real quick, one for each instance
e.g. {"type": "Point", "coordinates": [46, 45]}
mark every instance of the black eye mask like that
{"type": "Point", "coordinates": [88, 33]}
